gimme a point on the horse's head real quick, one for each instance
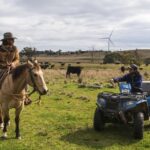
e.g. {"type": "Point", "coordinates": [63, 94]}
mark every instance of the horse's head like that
{"type": "Point", "coordinates": [35, 77]}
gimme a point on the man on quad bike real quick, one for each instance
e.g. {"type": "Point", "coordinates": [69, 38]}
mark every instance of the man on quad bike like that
{"type": "Point", "coordinates": [133, 77]}
{"type": "Point", "coordinates": [130, 106]}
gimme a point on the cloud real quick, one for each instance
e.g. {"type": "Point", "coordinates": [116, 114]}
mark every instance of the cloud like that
{"type": "Point", "coordinates": [69, 24]}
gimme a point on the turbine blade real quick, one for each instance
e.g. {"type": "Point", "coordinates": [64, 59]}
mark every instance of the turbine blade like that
{"type": "Point", "coordinates": [111, 42]}
{"type": "Point", "coordinates": [111, 33]}
{"type": "Point", "coordinates": [104, 38]}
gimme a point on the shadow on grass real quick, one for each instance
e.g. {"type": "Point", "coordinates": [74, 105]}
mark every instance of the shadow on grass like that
{"type": "Point", "coordinates": [2, 139]}
{"type": "Point", "coordinates": [111, 135]}
{"type": "Point", "coordinates": [147, 127]}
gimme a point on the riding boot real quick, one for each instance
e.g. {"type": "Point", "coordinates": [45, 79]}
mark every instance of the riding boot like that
{"type": "Point", "coordinates": [27, 101]}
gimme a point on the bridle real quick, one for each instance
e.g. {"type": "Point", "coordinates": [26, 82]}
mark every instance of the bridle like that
{"type": "Point", "coordinates": [35, 87]}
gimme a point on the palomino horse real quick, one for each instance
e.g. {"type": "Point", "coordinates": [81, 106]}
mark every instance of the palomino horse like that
{"type": "Point", "coordinates": [12, 92]}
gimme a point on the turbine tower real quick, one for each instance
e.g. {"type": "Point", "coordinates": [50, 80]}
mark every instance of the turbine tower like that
{"type": "Point", "coordinates": [109, 40]}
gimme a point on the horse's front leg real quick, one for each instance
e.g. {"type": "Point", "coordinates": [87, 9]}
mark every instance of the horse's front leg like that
{"type": "Point", "coordinates": [6, 120]}
{"type": "Point", "coordinates": [17, 120]}
{"type": "Point", "coordinates": [1, 118]}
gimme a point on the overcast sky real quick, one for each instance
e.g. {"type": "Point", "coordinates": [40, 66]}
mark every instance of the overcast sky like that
{"type": "Point", "coordinates": [77, 24]}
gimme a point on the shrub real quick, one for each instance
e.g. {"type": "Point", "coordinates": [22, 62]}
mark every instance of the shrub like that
{"type": "Point", "coordinates": [112, 58]}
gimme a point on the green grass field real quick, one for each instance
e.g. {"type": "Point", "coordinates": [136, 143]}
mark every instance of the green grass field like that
{"type": "Point", "coordinates": [64, 120]}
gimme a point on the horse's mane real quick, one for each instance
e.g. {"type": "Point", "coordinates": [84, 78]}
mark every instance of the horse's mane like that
{"type": "Point", "coordinates": [16, 72]}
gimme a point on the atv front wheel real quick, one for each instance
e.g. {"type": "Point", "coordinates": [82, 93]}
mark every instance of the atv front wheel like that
{"type": "Point", "coordinates": [98, 122]}
{"type": "Point", "coordinates": [138, 125]}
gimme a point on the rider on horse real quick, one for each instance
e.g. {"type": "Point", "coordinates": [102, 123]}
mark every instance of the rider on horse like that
{"type": "Point", "coordinates": [9, 57]}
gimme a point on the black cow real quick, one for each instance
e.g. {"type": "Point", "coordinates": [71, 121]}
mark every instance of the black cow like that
{"type": "Point", "coordinates": [73, 70]}
{"type": "Point", "coordinates": [44, 65]}
{"type": "Point", "coordinates": [52, 66]}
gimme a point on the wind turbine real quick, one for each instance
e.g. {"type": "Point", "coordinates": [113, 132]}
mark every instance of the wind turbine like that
{"type": "Point", "coordinates": [109, 39]}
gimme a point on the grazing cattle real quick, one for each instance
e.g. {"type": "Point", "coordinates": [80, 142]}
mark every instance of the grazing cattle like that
{"type": "Point", "coordinates": [140, 68]}
{"type": "Point", "coordinates": [123, 69]}
{"type": "Point", "coordinates": [45, 65]}
{"type": "Point", "coordinates": [73, 70]}
{"type": "Point", "coordinates": [52, 66]}
{"type": "Point", "coordinates": [78, 62]}
{"type": "Point", "coordinates": [62, 64]}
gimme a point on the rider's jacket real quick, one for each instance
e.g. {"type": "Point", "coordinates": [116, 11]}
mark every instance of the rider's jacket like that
{"type": "Point", "coordinates": [8, 54]}
{"type": "Point", "coordinates": [135, 79]}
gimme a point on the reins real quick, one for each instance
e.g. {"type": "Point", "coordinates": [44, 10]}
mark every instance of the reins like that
{"type": "Point", "coordinates": [35, 88]}
{"type": "Point", "coordinates": [33, 81]}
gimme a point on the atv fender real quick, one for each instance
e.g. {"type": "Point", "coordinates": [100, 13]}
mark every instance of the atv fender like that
{"type": "Point", "coordinates": [142, 107]}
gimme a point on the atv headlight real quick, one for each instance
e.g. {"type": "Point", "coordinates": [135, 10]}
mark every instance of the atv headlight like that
{"type": "Point", "coordinates": [101, 102]}
{"type": "Point", "coordinates": [129, 103]}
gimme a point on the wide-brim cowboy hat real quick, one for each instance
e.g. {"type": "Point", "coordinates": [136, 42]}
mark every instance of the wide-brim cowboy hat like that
{"type": "Point", "coordinates": [8, 35]}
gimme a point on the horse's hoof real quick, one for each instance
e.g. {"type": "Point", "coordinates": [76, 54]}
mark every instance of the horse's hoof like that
{"type": "Point", "coordinates": [4, 137]}
{"type": "Point", "coordinates": [1, 125]}
{"type": "Point", "coordinates": [19, 138]}
{"type": "Point", "coordinates": [8, 123]}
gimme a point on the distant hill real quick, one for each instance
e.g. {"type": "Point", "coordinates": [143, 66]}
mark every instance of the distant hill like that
{"type": "Point", "coordinates": [87, 56]}
{"type": "Point", "coordinates": [84, 57]}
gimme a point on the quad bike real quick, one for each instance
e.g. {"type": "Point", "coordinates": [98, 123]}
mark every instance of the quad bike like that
{"type": "Point", "coordinates": [125, 107]}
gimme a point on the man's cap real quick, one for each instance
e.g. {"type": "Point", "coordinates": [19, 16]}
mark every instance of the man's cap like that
{"type": "Point", "coordinates": [133, 66]}
{"type": "Point", "coordinates": [8, 35]}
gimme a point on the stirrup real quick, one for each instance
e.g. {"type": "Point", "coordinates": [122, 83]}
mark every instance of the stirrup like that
{"type": "Point", "coordinates": [27, 101]}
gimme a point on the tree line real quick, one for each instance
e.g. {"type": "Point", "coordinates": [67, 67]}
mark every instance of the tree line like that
{"type": "Point", "coordinates": [28, 51]}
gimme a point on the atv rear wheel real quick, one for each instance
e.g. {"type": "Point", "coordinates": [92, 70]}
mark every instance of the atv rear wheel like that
{"type": "Point", "coordinates": [98, 122]}
{"type": "Point", "coordinates": [138, 125]}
